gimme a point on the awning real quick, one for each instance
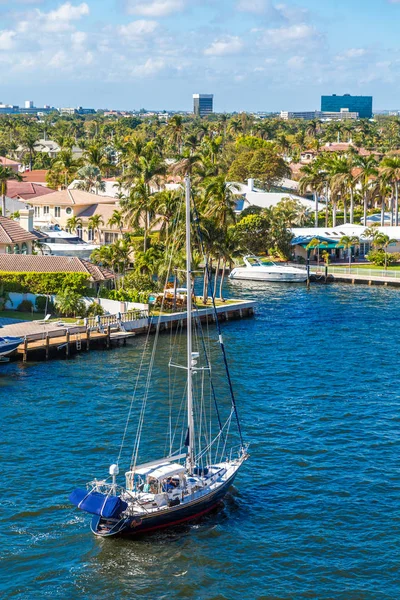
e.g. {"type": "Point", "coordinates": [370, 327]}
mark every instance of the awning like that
{"type": "Point", "coordinates": [95, 503]}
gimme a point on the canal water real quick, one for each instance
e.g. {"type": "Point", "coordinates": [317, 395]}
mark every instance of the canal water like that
{"type": "Point", "coordinates": [315, 511]}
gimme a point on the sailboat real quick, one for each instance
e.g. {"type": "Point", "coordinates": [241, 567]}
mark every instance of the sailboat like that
{"type": "Point", "coordinates": [193, 478]}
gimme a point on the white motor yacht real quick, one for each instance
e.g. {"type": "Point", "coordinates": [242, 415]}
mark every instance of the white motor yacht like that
{"type": "Point", "coordinates": [258, 269]}
{"type": "Point", "coordinates": [57, 242]}
{"type": "Point", "coordinates": [8, 345]}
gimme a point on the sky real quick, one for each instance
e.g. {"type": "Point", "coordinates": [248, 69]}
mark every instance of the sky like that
{"type": "Point", "coordinates": [253, 55]}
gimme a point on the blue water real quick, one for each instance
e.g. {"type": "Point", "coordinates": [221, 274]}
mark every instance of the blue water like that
{"type": "Point", "coordinates": [315, 511]}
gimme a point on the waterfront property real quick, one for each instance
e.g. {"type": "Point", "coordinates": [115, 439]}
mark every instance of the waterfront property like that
{"type": "Point", "coordinates": [250, 195]}
{"type": "Point", "coordinates": [14, 239]}
{"type": "Point", "coordinates": [58, 207]}
{"type": "Point", "coordinates": [20, 193]}
{"type": "Point", "coordinates": [55, 339]}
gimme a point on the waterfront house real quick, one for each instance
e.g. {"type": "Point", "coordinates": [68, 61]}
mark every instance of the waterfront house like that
{"type": "Point", "coordinates": [58, 207]}
{"type": "Point", "coordinates": [15, 239]}
{"type": "Point", "coordinates": [19, 194]}
{"type": "Point", "coordinates": [333, 235]}
{"type": "Point", "coordinates": [249, 195]}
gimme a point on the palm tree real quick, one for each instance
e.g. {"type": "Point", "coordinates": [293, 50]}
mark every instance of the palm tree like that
{"type": "Point", "coordinates": [313, 244]}
{"type": "Point", "coordinates": [220, 201]}
{"type": "Point", "coordinates": [137, 208]}
{"type": "Point", "coordinates": [94, 223]}
{"type": "Point", "coordinates": [382, 242]}
{"type": "Point", "coordinates": [175, 128]}
{"type": "Point", "coordinates": [66, 164]}
{"type": "Point", "coordinates": [343, 181]}
{"type": "Point", "coordinates": [390, 169]}
{"type": "Point", "coordinates": [166, 206]}
{"type": "Point", "coordinates": [96, 156]}
{"type": "Point", "coordinates": [229, 250]}
{"type": "Point", "coordinates": [347, 243]}
{"type": "Point", "coordinates": [5, 174]}
{"type": "Point", "coordinates": [368, 170]}
{"type": "Point", "coordinates": [313, 128]}
{"type": "Point", "coordinates": [74, 223]}
{"type": "Point", "coordinates": [312, 179]}
{"type": "Point", "coordinates": [370, 233]}
{"type": "Point", "coordinates": [116, 219]}
{"type": "Point", "coordinates": [90, 178]}
{"type": "Point", "coordinates": [29, 140]}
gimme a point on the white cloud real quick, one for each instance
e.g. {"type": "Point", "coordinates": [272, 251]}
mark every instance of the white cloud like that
{"type": "Point", "coordinates": [78, 39]}
{"type": "Point", "coordinates": [352, 53]}
{"type": "Point", "coordinates": [6, 39]}
{"type": "Point", "coordinates": [152, 66]}
{"type": "Point", "coordinates": [155, 8]}
{"type": "Point", "coordinates": [254, 6]}
{"type": "Point", "coordinates": [60, 19]}
{"type": "Point", "coordinates": [290, 36]}
{"type": "Point", "coordinates": [295, 62]}
{"type": "Point", "coordinates": [138, 28]}
{"type": "Point", "coordinates": [229, 44]}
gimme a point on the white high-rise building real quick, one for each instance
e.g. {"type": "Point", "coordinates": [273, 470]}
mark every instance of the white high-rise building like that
{"type": "Point", "coordinates": [28, 103]}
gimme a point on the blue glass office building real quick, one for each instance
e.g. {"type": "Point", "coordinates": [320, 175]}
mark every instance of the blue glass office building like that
{"type": "Point", "coordinates": [360, 104]}
{"type": "Point", "coordinates": [203, 104]}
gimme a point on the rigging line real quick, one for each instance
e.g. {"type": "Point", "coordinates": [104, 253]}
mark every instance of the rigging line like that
{"type": "Point", "coordinates": [233, 399]}
{"type": "Point", "coordinates": [226, 424]}
{"type": "Point", "coordinates": [145, 349]}
{"type": "Point", "coordinates": [139, 430]}
{"type": "Point", "coordinates": [208, 365]}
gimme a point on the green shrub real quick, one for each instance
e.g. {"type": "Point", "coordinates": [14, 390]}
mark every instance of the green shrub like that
{"type": "Point", "coordinates": [25, 306]}
{"type": "Point", "coordinates": [94, 310]}
{"type": "Point", "coordinates": [44, 283]}
{"type": "Point", "coordinates": [44, 303]}
{"type": "Point", "coordinates": [377, 257]}
{"type": "Point", "coordinates": [70, 304]}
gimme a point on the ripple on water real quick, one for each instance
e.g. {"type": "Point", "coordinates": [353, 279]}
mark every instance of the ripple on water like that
{"type": "Point", "coordinates": [314, 513]}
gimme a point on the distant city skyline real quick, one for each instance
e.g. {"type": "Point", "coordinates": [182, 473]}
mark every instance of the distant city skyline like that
{"type": "Point", "coordinates": [256, 55]}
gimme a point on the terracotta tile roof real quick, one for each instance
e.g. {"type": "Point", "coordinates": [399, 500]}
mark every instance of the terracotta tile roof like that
{"type": "Point", "coordinates": [11, 232]}
{"type": "Point", "coordinates": [74, 198]}
{"type": "Point", "coordinates": [26, 190]}
{"type": "Point", "coordinates": [37, 263]}
{"type": "Point", "coordinates": [37, 176]}
{"type": "Point", "coordinates": [4, 161]}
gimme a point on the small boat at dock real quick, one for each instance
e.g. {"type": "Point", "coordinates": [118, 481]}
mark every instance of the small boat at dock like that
{"type": "Point", "coordinates": [8, 345]}
{"type": "Point", "coordinates": [259, 269]}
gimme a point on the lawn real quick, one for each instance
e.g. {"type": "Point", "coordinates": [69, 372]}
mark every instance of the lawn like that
{"type": "Point", "coordinates": [29, 316]}
{"type": "Point", "coordinates": [199, 305]}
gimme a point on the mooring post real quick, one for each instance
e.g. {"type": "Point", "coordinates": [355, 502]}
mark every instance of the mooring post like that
{"type": "Point", "coordinates": [87, 339]}
{"type": "Point", "coordinates": [67, 336]}
{"type": "Point", "coordinates": [25, 356]}
{"type": "Point", "coordinates": [47, 346]}
{"type": "Point", "coordinates": [108, 336]}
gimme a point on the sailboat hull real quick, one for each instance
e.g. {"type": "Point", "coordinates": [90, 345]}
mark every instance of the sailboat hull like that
{"type": "Point", "coordinates": [135, 526]}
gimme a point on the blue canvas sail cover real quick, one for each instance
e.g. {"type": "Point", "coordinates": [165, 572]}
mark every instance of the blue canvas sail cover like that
{"type": "Point", "coordinates": [95, 503]}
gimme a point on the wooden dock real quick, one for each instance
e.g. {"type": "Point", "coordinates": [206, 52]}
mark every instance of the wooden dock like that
{"type": "Point", "coordinates": [46, 341]}
{"type": "Point", "coordinates": [356, 276]}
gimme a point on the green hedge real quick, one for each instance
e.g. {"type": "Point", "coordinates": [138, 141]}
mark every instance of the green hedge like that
{"type": "Point", "coordinates": [44, 283]}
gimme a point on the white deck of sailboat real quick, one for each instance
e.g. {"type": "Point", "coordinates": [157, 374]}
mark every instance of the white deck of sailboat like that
{"type": "Point", "coordinates": [196, 487]}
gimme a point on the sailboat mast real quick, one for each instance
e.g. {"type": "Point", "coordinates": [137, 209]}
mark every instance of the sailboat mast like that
{"type": "Point", "coordinates": [190, 457]}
